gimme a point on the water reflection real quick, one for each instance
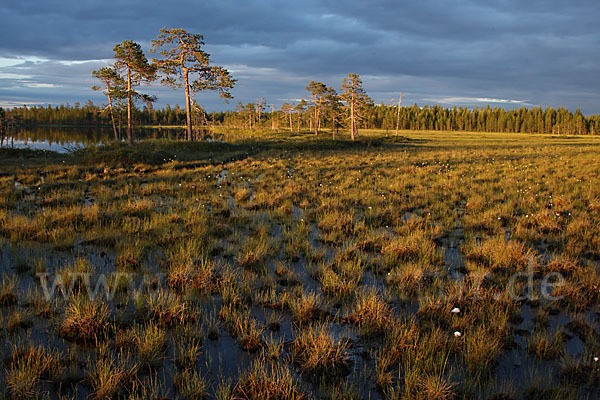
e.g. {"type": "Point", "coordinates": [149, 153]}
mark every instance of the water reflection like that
{"type": "Point", "coordinates": [64, 139]}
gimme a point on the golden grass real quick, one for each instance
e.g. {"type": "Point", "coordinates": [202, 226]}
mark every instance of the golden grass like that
{"type": "Point", "coordinates": [303, 240]}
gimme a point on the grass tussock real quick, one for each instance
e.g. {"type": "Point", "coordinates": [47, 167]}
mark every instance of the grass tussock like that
{"type": "Point", "coordinates": [111, 377]}
{"type": "Point", "coordinates": [84, 319]}
{"type": "Point", "coordinates": [8, 295]}
{"type": "Point", "coordinates": [499, 255]}
{"type": "Point", "coordinates": [268, 381]}
{"type": "Point", "coordinates": [190, 385]}
{"type": "Point", "coordinates": [27, 368]}
{"type": "Point", "coordinates": [318, 354]}
{"type": "Point", "coordinates": [545, 345]}
{"type": "Point", "coordinates": [371, 314]}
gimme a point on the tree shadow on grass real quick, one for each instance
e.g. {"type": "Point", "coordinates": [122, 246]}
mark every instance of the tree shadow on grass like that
{"type": "Point", "coordinates": [193, 154]}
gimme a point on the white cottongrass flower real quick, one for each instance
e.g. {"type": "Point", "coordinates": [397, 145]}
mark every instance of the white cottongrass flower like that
{"type": "Point", "coordinates": [455, 310]}
{"type": "Point", "coordinates": [457, 334]}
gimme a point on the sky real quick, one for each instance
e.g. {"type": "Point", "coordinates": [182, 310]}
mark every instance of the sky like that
{"type": "Point", "coordinates": [505, 53]}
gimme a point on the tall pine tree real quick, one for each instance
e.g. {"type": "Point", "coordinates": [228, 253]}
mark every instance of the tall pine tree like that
{"type": "Point", "coordinates": [113, 88]}
{"type": "Point", "coordinates": [183, 55]}
{"type": "Point", "coordinates": [131, 62]}
{"type": "Point", "coordinates": [354, 95]}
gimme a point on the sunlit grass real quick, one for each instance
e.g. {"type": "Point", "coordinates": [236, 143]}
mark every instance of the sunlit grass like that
{"type": "Point", "coordinates": [307, 268]}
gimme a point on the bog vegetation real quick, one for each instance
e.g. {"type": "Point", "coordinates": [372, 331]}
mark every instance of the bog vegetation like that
{"type": "Point", "coordinates": [282, 265]}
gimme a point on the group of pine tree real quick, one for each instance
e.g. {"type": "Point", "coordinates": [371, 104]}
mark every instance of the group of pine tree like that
{"type": "Point", "coordinates": [259, 116]}
{"type": "Point", "coordinates": [183, 63]}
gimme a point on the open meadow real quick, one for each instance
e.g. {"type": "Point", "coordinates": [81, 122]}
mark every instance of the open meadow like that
{"type": "Point", "coordinates": [431, 265]}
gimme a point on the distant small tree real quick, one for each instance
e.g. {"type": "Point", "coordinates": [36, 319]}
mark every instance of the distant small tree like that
{"type": "Point", "coordinates": [239, 112]}
{"type": "Point", "coordinates": [579, 121]}
{"type": "Point", "coordinates": [250, 109]}
{"type": "Point", "coordinates": [183, 55]}
{"type": "Point", "coordinates": [2, 123]}
{"type": "Point", "coordinates": [113, 87]}
{"type": "Point", "coordinates": [260, 105]}
{"type": "Point", "coordinates": [131, 62]}
{"type": "Point", "coordinates": [398, 114]}
{"type": "Point", "coordinates": [274, 118]}
{"type": "Point", "coordinates": [318, 90]}
{"type": "Point", "coordinates": [300, 108]}
{"type": "Point", "coordinates": [333, 107]}
{"type": "Point", "coordinates": [288, 108]}
{"type": "Point", "coordinates": [357, 100]}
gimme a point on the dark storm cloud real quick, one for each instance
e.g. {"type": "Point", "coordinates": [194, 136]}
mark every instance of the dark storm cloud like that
{"type": "Point", "coordinates": [461, 52]}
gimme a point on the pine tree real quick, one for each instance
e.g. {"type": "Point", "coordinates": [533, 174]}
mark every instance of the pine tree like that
{"type": "Point", "coordinates": [288, 108]}
{"type": "Point", "coordinates": [183, 55]}
{"type": "Point", "coordinates": [114, 88]}
{"type": "Point", "coordinates": [356, 99]}
{"type": "Point", "coordinates": [333, 107]}
{"type": "Point", "coordinates": [131, 61]}
{"type": "Point", "coordinates": [300, 108]}
{"type": "Point", "coordinates": [318, 90]}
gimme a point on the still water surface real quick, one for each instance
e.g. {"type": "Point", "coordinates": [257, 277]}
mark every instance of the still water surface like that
{"type": "Point", "coordinates": [65, 139]}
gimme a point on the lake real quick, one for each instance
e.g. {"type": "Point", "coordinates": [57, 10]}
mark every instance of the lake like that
{"type": "Point", "coordinates": [65, 139]}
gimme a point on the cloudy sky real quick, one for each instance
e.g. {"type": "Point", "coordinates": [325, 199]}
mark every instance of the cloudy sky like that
{"type": "Point", "coordinates": [506, 53]}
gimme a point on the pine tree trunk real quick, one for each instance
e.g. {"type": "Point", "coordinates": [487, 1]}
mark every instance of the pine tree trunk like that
{"type": "Point", "coordinates": [319, 118]}
{"type": "Point", "coordinates": [333, 127]}
{"type": "Point", "coordinates": [398, 120]}
{"type": "Point", "coordinates": [188, 106]}
{"type": "Point", "coordinates": [129, 109]}
{"type": "Point", "coordinates": [316, 116]}
{"type": "Point", "coordinates": [352, 122]}
{"type": "Point", "coordinates": [273, 118]}
{"type": "Point", "coordinates": [112, 116]}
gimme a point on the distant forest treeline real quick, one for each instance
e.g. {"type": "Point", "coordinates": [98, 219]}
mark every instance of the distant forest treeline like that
{"type": "Point", "coordinates": [301, 117]}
